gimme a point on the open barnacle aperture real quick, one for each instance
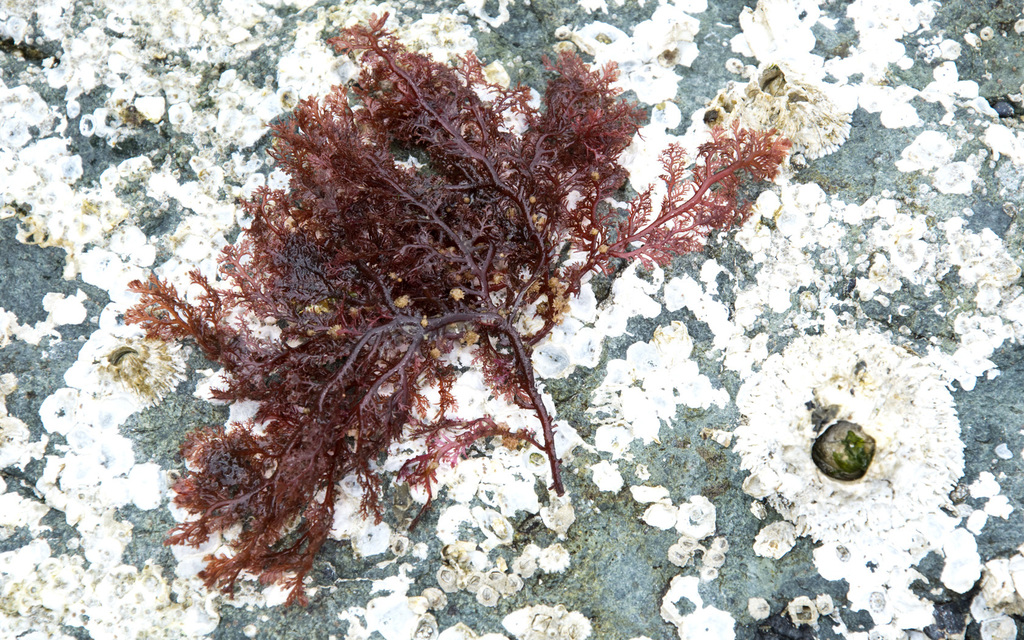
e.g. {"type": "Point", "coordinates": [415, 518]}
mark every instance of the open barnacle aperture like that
{"type": "Point", "coordinates": [843, 451]}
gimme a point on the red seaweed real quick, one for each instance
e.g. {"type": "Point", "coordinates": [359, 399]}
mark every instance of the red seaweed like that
{"type": "Point", "coordinates": [372, 267]}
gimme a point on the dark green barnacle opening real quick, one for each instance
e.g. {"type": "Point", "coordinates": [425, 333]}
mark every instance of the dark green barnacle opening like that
{"type": "Point", "coordinates": [844, 451]}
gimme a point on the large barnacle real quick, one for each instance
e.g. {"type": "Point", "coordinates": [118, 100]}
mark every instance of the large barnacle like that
{"type": "Point", "coordinates": [801, 109]}
{"type": "Point", "coordinates": [146, 368]}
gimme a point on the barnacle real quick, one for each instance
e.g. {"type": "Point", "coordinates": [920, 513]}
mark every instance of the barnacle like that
{"type": "Point", "coordinates": [426, 628]}
{"type": "Point", "coordinates": [448, 579]}
{"type": "Point", "coordinates": [146, 368]}
{"type": "Point", "coordinates": [696, 518]}
{"type": "Point", "coordinates": [803, 611]}
{"type": "Point", "coordinates": [513, 584]}
{"type": "Point", "coordinates": [496, 579]}
{"type": "Point", "coordinates": [474, 581]}
{"type": "Point", "coordinates": [436, 599]}
{"type": "Point", "coordinates": [559, 514]}
{"type": "Point", "coordinates": [800, 110]}
{"type": "Point", "coordinates": [487, 596]}
{"type": "Point", "coordinates": [775, 540]}
{"type": "Point", "coordinates": [905, 435]}
{"type": "Point", "coordinates": [682, 551]}
{"type": "Point", "coordinates": [758, 608]}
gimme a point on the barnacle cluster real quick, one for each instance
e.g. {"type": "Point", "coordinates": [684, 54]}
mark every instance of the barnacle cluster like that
{"type": "Point", "coordinates": [801, 110]}
{"type": "Point", "coordinates": [695, 521]}
{"type": "Point", "coordinates": [804, 611]}
{"type": "Point", "coordinates": [48, 595]}
{"type": "Point", "coordinates": [868, 387]}
{"type": "Point", "coordinates": [1002, 584]}
{"type": "Point", "coordinates": [542, 622]}
{"type": "Point", "coordinates": [466, 568]}
{"type": "Point", "coordinates": [15, 448]}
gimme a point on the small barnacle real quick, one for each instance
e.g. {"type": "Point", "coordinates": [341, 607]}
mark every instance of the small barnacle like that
{"type": "Point", "coordinates": [758, 608]}
{"type": "Point", "coordinates": [496, 579]}
{"type": "Point", "coordinates": [559, 514]}
{"type": "Point", "coordinates": [775, 540]}
{"type": "Point", "coordinates": [773, 81]}
{"type": "Point", "coordinates": [682, 551]}
{"type": "Point", "coordinates": [553, 559]}
{"type": "Point", "coordinates": [574, 626]}
{"type": "Point", "coordinates": [426, 628]}
{"type": "Point", "coordinates": [448, 579]}
{"type": "Point", "coordinates": [487, 596]}
{"type": "Point", "coordinates": [803, 611]}
{"type": "Point", "coordinates": [399, 545]}
{"type": "Point", "coordinates": [707, 574]}
{"type": "Point", "coordinates": [474, 581]}
{"type": "Point", "coordinates": [844, 451]}
{"type": "Point", "coordinates": [824, 604]}
{"type": "Point", "coordinates": [526, 564]}
{"type": "Point", "coordinates": [513, 584]}
{"type": "Point", "coordinates": [436, 599]}
{"type": "Point", "coordinates": [147, 369]}
{"type": "Point", "coordinates": [501, 528]}
{"type": "Point", "coordinates": [696, 518]}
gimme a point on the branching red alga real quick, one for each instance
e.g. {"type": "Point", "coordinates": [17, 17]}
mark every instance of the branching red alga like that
{"type": "Point", "coordinates": [427, 208]}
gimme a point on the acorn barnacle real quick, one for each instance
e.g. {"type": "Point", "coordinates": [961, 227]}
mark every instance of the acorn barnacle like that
{"type": "Point", "coordinates": [147, 369]}
{"type": "Point", "coordinates": [802, 110]}
{"type": "Point", "coordinates": [843, 451]}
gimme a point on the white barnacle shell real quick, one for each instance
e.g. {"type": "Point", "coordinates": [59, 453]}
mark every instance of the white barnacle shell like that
{"type": "Point", "coordinates": [662, 515]}
{"type": "Point", "coordinates": [436, 599]}
{"type": "Point", "coordinates": [696, 518]}
{"type": "Point", "coordinates": [758, 608]}
{"type": "Point", "coordinates": [553, 559]}
{"type": "Point", "coordinates": [147, 369]}
{"type": "Point", "coordinates": [474, 581]}
{"type": "Point", "coordinates": [802, 110]}
{"type": "Point", "coordinates": [1002, 584]}
{"type": "Point", "coordinates": [543, 622]}
{"type": "Point", "coordinates": [824, 604]}
{"type": "Point", "coordinates": [399, 544]}
{"type": "Point", "coordinates": [682, 551]}
{"type": "Point", "coordinates": [448, 578]}
{"type": "Point", "coordinates": [775, 540]}
{"type": "Point", "coordinates": [719, 544]}
{"type": "Point", "coordinates": [574, 626]}
{"type": "Point", "coordinates": [495, 526]}
{"type": "Point", "coordinates": [463, 554]}
{"type": "Point", "coordinates": [713, 558]}
{"type": "Point", "coordinates": [526, 564]}
{"type": "Point", "coordinates": [487, 595]}
{"type": "Point", "coordinates": [426, 628]}
{"type": "Point", "coordinates": [559, 514]}
{"type": "Point", "coordinates": [497, 579]}
{"type": "Point", "coordinates": [707, 574]}
{"type": "Point", "coordinates": [513, 584]}
{"type": "Point", "coordinates": [803, 611]}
